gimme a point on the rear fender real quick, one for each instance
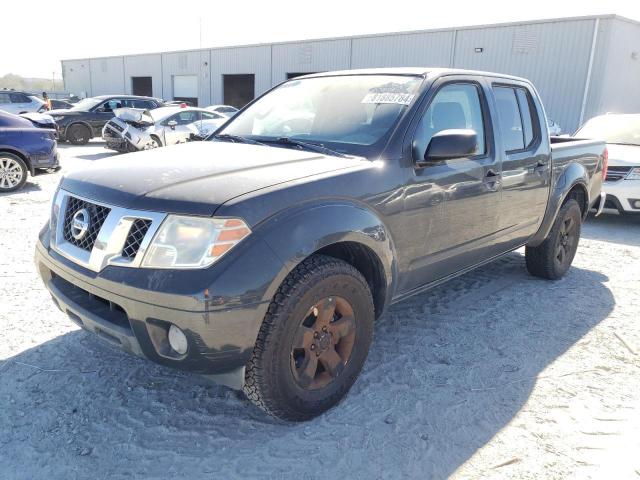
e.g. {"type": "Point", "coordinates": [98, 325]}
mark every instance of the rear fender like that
{"type": "Point", "coordinates": [574, 174]}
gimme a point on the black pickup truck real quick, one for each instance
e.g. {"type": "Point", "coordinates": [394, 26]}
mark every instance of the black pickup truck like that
{"type": "Point", "coordinates": [262, 256]}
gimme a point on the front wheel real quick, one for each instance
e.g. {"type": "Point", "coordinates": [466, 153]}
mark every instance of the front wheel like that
{"type": "Point", "coordinates": [313, 341]}
{"type": "Point", "coordinates": [553, 257]}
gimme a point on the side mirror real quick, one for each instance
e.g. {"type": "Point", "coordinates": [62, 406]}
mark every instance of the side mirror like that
{"type": "Point", "coordinates": [450, 144]}
{"type": "Point", "coordinates": [172, 124]}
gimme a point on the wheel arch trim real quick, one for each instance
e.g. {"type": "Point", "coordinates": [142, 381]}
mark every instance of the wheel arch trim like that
{"type": "Point", "coordinates": [574, 176]}
{"type": "Point", "coordinates": [300, 232]}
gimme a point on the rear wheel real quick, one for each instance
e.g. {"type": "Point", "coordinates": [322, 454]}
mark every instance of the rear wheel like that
{"type": "Point", "coordinates": [553, 257]}
{"type": "Point", "coordinates": [13, 172]}
{"type": "Point", "coordinates": [78, 134]}
{"type": "Point", "coordinates": [313, 341]}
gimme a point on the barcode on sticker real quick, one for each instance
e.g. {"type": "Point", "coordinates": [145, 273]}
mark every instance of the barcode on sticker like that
{"type": "Point", "coordinates": [397, 98]}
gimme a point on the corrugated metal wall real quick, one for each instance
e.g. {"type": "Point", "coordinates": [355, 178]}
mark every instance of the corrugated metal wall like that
{"type": "Point", "coordinates": [618, 88]}
{"type": "Point", "coordinates": [107, 75]}
{"type": "Point", "coordinates": [403, 50]}
{"type": "Point", "coordinates": [77, 77]}
{"type": "Point", "coordinates": [144, 66]}
{"type": "Point", "coordinates": [239, 60]}
{"type": "Point", "coordinates": [317, 56]}
{"type": "Point", "coordinates": [554, 54]}
{"type": "Point", "coordinates": [194, 62]}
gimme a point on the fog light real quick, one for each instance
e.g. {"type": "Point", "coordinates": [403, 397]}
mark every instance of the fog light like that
{"type": "Point", "coordinates": [178, 340]}
{"type": "Point", "coordinates": [636, 204]}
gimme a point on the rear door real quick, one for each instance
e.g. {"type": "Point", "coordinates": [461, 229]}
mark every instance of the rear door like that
{"type": "Point", "coordinates": [451, 206]}
{"type": "Point", "coordinates": [525, 162]}
{"type": "Point", "coordinates": [22, 103]}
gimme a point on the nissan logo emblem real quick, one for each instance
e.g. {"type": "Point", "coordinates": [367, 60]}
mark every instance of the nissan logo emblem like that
{"type": "Point", "coordinates": [80, 224]}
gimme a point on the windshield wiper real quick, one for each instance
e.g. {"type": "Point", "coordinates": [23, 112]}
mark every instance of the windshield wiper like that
{"type": "Point", "coordinates": [236, 139]}
{"type": "Point", "coordinates": [315, 147]}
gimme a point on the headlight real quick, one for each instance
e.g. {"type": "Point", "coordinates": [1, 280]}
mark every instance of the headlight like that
{"type": "Point", "coordinates": [634, 174]}
{"type": "Point", "coordinates": [193, 242]}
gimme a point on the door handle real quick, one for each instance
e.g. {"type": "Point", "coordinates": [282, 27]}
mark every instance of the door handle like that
{"type": "Point", "coordinates": [540, 166]}
{"type": "Point", "coordinates": [492, 179]}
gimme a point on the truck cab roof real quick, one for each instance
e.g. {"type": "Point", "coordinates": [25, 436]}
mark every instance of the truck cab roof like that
{"type": "Point", "coordinates": [419, 71]}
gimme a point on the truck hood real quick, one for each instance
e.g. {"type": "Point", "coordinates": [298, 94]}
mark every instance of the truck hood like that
{"type": "Point", "coordinates": [196, 178]}
{"type": "Point", "coordinates": [623, 155]}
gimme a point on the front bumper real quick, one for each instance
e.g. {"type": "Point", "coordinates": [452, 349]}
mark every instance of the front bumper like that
{"type": "Point", "coordinates": [622, 195]}
{"type": "Point", "coordinates": [41, 162]}
{"type": "Point", "coordinates": [133, 309]}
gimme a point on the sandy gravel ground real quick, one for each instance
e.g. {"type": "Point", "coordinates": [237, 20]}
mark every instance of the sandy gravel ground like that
{"type": "Point", "coordinates": [493, 375]}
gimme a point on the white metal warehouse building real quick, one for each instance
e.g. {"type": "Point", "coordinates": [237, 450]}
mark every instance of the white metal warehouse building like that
{"type": "Point", "coordinates": [581, 66]}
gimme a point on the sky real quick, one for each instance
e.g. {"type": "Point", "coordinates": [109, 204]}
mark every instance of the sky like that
{"type": "Point", "coordinates": [44, 35]}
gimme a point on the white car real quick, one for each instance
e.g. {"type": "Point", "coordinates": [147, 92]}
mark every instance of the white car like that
{"type": "Point", "coordinates": [226, 110]}
{"type": "Point", "coordinates": [135, 129]}
{"type": "Point", "coordinates": [622, 134]}
{"type": "Point", "coordinates": [16, 102]}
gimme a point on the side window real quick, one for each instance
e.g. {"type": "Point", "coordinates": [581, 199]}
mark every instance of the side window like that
{"type": "Point", "coordinates": [210, 116]}
{"type": "Point", "coordinates": [455, 106]}
{"type": "Point", "coordinates": [111, 105]}
{"type": "Point", "coordinates": [525, 114]}
{"type": "Point", "coordinates": [4, 98]}
{"type": "Point", "coordinates": [19, 98]}
{"type": "Point", "coordinates": [516, 117]}
{"type": "Point", "coordinates": [183, 118]}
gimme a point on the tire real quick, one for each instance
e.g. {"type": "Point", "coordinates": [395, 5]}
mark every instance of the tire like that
{"type": "Point", "coordinates": [552, 258]}
{"type": "Point", "coordinates": [78, 134]}
{"type": "Point", "coordinates": [320, 291]}
{"type": "Point", "coordinates": [156, 142]}
{"type": "Point", "coordinates": [13, 172]}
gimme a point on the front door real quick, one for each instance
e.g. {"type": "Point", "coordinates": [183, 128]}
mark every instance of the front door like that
{"type": "Point", "coordinates": [103, 113]}
{"type": "Point", "coordinates": [180, 131]}
{"type": "Point", "coordinates": [461, 230]}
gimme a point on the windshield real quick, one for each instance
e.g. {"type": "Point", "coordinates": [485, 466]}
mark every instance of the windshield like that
{"type": "Point", "coordinates": [86, 104]}
{"type": "Point", "coordinates": [350, 110]}
{"type": "Point", "coordinates": [621, 129]}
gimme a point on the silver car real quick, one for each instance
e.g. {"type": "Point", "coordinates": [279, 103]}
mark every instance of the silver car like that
{"type": "Point", "coordinates": [15, 102]}
{"type": "Point", "coordinates": [134, 129]}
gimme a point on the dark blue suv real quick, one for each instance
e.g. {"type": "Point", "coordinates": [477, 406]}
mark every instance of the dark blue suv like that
{"type": "Point", "coordinates": [24, 149]}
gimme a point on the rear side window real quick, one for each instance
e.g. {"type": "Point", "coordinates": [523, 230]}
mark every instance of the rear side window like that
{"type": "Point", "coordinates": [515, 117]}
{"type": "Point", "coordinates": [455, 106]}
{"type": "Point", "coordinates": [4, 98]}
{"type": "Point", "coordinates": [525, 114]}
{"type": "Point", "coordinates": [19, 98]}
{"type": "Point", "coordinates": [144, 104]}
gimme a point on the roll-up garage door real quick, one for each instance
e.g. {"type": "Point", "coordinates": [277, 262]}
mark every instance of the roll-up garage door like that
{"type": "Point", "coordinates": [185, 88]}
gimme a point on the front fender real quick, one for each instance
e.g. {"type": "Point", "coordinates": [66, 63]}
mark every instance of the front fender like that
{"type": "Point", "coordinates": [572, 175]}
{"type": "Point", "coordinates": [297, 233]}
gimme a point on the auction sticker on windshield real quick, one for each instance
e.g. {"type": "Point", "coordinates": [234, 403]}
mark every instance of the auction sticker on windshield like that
{"type": "Point", "coordinates": [395, 98]}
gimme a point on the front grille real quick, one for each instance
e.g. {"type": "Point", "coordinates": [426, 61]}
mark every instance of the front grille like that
{"type": "Point", "coordinates": [137, 232]}
{"type": "Point", "coordinates": [616, 173]}
{"type": "Point", "coordinates": [97, 216]}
